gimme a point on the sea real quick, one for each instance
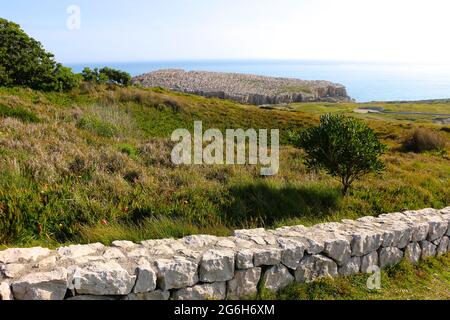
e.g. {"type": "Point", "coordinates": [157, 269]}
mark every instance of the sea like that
{"type": "Point", "coordinates": [365, 81]}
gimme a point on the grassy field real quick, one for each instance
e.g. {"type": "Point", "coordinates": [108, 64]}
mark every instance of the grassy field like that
{"type": "Point", "coordinates": [94, 165]}
{"type": "Point", "coordinates": [429, 280]}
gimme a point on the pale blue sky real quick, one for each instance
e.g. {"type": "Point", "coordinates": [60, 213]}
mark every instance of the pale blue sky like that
{"type": "Point", "coordinates": [138, 30]}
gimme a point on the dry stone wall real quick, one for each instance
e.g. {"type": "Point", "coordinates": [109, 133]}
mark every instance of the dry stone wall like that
{"type": "Point", "coordinates": [208, 267]}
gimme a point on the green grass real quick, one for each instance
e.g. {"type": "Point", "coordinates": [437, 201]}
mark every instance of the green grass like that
{"type": "Point", "coordinates": [348, 109]}
{"type": "Point", "coordinates": [18, 113]}
{"type": "Point", "coordinates": [102, 154]}
{"type": "Point", "coordinates": [98, 127]}
{"type": "Point", "coordinates": [429, 280]}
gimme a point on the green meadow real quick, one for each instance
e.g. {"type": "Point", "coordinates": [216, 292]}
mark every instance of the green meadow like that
{"type": "Point", "coordinates": [94, 165]}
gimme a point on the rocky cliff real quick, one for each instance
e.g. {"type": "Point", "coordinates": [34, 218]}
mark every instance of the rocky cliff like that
{"type": "Point", "coordinates": [244, 88]}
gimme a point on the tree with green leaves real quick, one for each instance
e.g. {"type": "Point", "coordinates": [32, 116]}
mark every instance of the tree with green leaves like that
{"type": "Point", "coordinates": [346, 148]}
{"type": "Point", "coordinates": [116, 76]}
{"type": "Point", "coordinates": [24, 62]}
{"type": "Point", "coordinates": [106, 75]}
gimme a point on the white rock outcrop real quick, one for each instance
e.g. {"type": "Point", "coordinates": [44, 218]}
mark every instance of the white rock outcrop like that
{"type": "Point", "coordinates": [207, 291]}
{"type": "Point", "coordinates": [102, 278]}
{"type": "Point", "coordinates": [177, 273]}
{"type": "Point", "coordinates": [244, 283]}
{"type": "Point", "coordinates": [277, 277]}
{"type": "Point", "coordinates": [41, 286]}
{"type": "Point", "coordinates": [217, 266]}
{"type": "Point", "coordinates": [5, 291]}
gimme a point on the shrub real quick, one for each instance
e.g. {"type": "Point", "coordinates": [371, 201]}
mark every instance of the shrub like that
{"type": "Point", "coordinates": [98, 127]}
{"type": "Point", "coordinates": [345, 147]}
{"type": "Point", "coordinates": [18, 113]}
{"type": "Point", "coordinates": [116, 76]}
{"type": "Point", "coordinates": [422, 140]}
{"type": "Point", "coordinates": [106, 75]}
{"type": "Point", "coordinates": [24, 62]}
{"type": "Point", "coordinates": [129, 150]}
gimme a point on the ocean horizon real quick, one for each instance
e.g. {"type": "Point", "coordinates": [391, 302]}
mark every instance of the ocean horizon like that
{"type": "Point", "coordinates": [365, 81]}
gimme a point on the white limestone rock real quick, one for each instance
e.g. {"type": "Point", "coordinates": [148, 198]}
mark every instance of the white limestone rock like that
{"type": "Point", "coordinates": [217, 266]}
{"type": "Point", "coordinates": [243, 244]}
{"type": "Point", "coordinates": [428, 249]}
{"type": "Point", "coordinates": [315, 245]}
{"type": "Point", "coordinates": [23, 255]}
{"type": "Point", "coordinates": [390, 256]}
{"type": "Point", "coordinates": [13, 270]}
{"type": "Point", "coordinates": [277, 277]}
{"type": "Point", "coordinates": [41, 286]}
{"type": "Point", "coordinates": [176, 273]}
{"type": "Point", "coordinates": [113, 253]}
{"type": "Point", "coordinates": [157, 295]}
{"type": "Point", "coordinates": [145, 277]}
{"type": "Point", "coordinates": [292, 253]}
{"type": "Point", "coordinates": [47, 263]}
{"type": "Point", "coordinates": [244, 283]}
{"type": "Point", "coordinates": [226, 243]}
{"type": "Point", "coordinates": [420, 226]}
{"type": "Point", "coordinates": [338, 249]}
{"type": "Point", "coordinates": [255, 235]}
{"type": "Point", "coordinates": [102, 278]}
{"type": "Point", "coordinates": [413, 252]}
{"type": "Point", "coordinates": [314, 267]}
{"type": "Point", "coordinates": [438, 228]}
{"type": "Point", "coordinates": [138, 252]}
{"type": "Point", "coordinates": [244, 259]}
{"type": "Point", "coordinates": [353, 266]}
{"type": "Point", "coordinates": [207, 291]}
{"type": "Point", "coordinates": [77, 251]}
{"type": "Point", "coordinates": [5, 292]}
{"type": "Point", "coordinates": [194, 255]}
{"type": "Point", "coordinates": [124, 245]}
{"type": "Point", "coordinates": [369, 262]}
{"type": "Point", "coordinates": [443, 246]}
{"type": "Point", "coordinates": [365, 242]}
{"type": "Point", "coordinates": [199, 241]}
{"type": "Point", "coordinates": [267, 256]}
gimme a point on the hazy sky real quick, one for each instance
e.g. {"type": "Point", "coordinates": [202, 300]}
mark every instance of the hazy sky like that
{"type": "Point", "coordinates": [141, 30]}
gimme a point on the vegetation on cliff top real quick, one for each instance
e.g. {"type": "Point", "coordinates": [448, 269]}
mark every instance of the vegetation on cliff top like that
{"type": "Point", "coordinates": [95, 166]}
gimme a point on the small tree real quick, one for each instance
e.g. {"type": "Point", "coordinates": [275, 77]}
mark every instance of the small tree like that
{"type": "Point", "coordinates": [345, 147]}
{"type": "Point", "coordinates": [24, 62]}
{"type": "Point", "coordinates": [106, 75]}
{"type": "Point", "coordinates": [116, 76]}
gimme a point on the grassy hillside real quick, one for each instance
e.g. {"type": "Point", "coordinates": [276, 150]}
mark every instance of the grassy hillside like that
{"type": "Point", "coordinates": [94, 165]}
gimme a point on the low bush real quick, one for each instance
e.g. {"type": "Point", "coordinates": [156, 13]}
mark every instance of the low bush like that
{"type": "Point", "coordinates": [422, 140]}
{"type": "Point", "coordinates": [98, 127]}
{"type": "Point", "coordinates": [18, 113]}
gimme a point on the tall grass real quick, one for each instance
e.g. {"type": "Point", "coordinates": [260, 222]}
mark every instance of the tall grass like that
{"type": "Point", "coordinates": [18, 113]}
{"type": "Point", "coordinates": [97, 167]}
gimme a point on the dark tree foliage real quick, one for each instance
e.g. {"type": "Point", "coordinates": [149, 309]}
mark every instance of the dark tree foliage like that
{"type": "Point", "coordinates": [107, 75]}
{"type": "Point", "coordinates": [24, 62]}
{"type": "Point", "coordinates": [346, 148]}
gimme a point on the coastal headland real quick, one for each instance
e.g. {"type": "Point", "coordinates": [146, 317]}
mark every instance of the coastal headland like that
{"type": "Point", "coordinates": [245, 88]}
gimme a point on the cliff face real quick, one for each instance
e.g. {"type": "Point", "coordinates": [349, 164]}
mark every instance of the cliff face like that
{"type": "Point", "coordinates": [245, 88]}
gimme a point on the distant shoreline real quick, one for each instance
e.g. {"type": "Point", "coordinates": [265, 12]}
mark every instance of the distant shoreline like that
{"type": "Point", "coordinates": [365, 81]}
